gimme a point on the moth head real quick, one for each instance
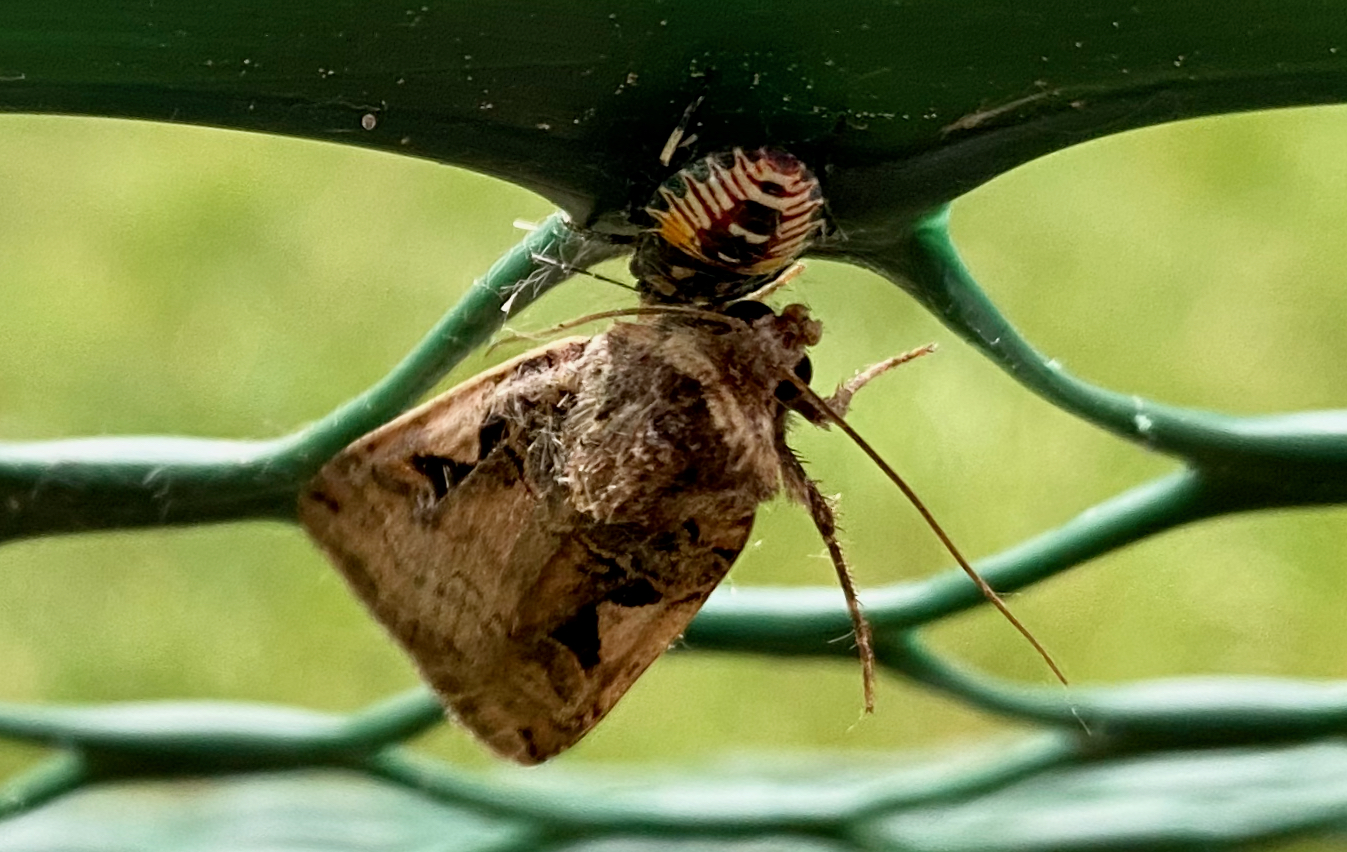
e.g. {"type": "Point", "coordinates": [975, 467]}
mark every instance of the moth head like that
{"type": "Point", "coordinates": [798, 328]}
{"type": "Point", "coordinates": [793, 330]}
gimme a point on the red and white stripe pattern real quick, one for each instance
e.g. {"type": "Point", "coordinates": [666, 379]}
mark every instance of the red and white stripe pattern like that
{"type": "Point", "coordinates": [751, 213]}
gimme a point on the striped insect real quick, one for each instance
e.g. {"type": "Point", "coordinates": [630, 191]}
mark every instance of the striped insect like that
{"type": "Point", "coordinates": [726, 225]}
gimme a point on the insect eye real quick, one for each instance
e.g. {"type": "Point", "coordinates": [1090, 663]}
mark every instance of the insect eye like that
{"type": "Point", "coordinates": [805, 370]}
{"type": "Point", "coordinates": [747, 311]}
{"type": "Point", "coordinates": [787, 392]}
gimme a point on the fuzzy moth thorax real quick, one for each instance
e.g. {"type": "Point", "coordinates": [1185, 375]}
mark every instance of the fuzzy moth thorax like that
{"type": "Point", "coordinates": [681, 418]}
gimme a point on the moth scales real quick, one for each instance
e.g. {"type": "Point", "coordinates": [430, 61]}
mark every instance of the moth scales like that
{"type": "Point", "coordinates": [537, 536]}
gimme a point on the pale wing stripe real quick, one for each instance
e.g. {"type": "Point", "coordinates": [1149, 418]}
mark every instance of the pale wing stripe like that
{"type": "Point", "coordinates": [688, 207]}
{"type": "Point", "coordinates": [729, 178]}
{"type": "Point", "coordinates": [707, 196]}
{"type": "Point", "coordinates": [717, 186]}
{"type": "Point", "coordinates": [710, 199]}
{"type": "Point", "coordinates": [748, 236]}
{"type": "Point", "coordinates": [788, 230]}
{"type": "Point", "coordinates": [786, 249]}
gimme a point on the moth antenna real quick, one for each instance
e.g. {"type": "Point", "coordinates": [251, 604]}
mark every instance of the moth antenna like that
{"type": "Point", "coordinates": [616, 313]}
{"type": "Point", "coordinates": [822, 513]}
{"type": "Point", "coordinates": [571, 269]}
{"type": "Point", "coordinates": [987, 591]}
{"type": "Point", "coordinates": [789, 274]}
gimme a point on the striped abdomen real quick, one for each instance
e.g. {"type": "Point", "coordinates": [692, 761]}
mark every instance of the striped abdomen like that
{"type": "Point", "coordinates": [727, 224]}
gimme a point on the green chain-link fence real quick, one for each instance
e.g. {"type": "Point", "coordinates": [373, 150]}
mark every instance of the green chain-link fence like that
{"type": "Point", "coordinates": [1187, 763]}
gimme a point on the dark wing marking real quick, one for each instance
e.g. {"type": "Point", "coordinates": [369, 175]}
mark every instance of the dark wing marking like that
{"type": "Point", "coordinates": [528, 618]}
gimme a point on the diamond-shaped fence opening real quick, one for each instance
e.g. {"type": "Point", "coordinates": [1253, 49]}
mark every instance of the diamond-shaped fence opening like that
{"type": "Point", "coordinates": [1134, 525]}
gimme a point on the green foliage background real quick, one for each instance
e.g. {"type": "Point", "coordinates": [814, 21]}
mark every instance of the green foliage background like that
{"type": "Point", "coordinates": [179, 280]}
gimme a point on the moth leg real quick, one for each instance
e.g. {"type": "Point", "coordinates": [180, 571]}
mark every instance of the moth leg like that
{"type": "Point", "coordinates": [799, 485]}
{"type": "Point", "coordinates": [811, 403]}
{"type": "Point", "coordinates": [840, 401]}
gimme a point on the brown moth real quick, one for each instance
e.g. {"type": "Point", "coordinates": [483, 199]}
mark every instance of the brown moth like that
{"type": "Point", "coordinates": [538, 535]}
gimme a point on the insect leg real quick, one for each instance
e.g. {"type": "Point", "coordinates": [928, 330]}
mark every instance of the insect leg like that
{"type": "Point", "coordinates": [789, 274]}
{"type": "Point", "coordinates": [821, 510]}
{"type": "Point", "coordinates": [840, 401]}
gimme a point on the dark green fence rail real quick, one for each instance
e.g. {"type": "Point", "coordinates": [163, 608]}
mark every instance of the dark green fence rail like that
{"type": "Point", "coordinates": [903, 108]}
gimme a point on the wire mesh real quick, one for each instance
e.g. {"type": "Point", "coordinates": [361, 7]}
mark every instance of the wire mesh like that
{"type": "Point", "coordinates": [1075, 785]}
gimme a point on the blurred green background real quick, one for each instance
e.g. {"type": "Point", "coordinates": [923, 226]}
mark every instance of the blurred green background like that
{"type": "Point", "coordinates": [177, 280]}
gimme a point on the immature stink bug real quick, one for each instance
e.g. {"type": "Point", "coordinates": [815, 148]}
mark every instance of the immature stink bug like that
{"type": "Point", "coordinates": [726, 225]}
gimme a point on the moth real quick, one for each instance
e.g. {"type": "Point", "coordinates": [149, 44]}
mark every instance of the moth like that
{"type": "Point", "coordinates": [537, 536]}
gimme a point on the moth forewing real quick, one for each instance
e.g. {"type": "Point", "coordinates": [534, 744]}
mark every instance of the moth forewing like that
{"type": "Point", "coordinates": [539, 535]}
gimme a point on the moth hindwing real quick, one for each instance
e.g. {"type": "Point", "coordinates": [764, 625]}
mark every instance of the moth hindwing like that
{"type": "Point", "coordinates": [539, 535]}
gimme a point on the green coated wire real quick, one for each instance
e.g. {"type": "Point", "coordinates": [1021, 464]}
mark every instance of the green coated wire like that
{"type": "Point", "coordinates": [107, 483]}
{"type": "Point", "coordinates": [1223, 464]}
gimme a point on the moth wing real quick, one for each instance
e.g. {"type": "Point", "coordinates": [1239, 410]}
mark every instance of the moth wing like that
{"type": "Point", "coordinates": [529, 619]}
{"type": "Point", "coordinates": [598, 603]}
